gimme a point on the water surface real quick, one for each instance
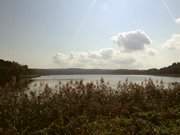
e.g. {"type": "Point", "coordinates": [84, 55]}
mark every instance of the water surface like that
{"type": "Point", "coordinates": [53, 80]}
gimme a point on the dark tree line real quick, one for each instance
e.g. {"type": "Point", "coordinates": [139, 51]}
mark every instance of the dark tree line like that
{"type": "Point", "coordinates": [172, 69]}
{"type": "Point", "coordinates": [11, 71]}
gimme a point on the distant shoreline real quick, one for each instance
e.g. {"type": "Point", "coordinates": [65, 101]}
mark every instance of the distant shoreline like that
{"type": "Point", "coordinates": [163, 75]}
{"type": "Point", "coordinates": [171, 71]}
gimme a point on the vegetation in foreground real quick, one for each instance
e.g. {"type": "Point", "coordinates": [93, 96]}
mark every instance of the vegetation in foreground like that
{"type": "Point", "coordinates": [91, 109]}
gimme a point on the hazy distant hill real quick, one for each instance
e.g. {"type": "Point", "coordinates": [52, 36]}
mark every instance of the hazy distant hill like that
{"type": "Point", "coordinates": [85, 71]}
{"type": "Point", "coordinates": [173, 69]}
{"type": "Point", "coordinates": [71, 71]}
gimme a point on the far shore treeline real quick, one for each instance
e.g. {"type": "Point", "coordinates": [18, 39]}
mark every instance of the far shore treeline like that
{"type": "Point", "coordinates": [172, 70]}
{"type": "Point", "coordinates": [14, 71]}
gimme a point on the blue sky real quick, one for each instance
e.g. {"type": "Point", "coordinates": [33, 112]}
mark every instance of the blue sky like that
{"type": "Point", "coordinates": [90, 33]}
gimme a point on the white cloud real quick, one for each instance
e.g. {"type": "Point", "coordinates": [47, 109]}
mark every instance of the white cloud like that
{"type": "Point", "coordinates": [133, 51]}
{"type": "Point", "coordinates": [107, 53]}
{"type": "Point", "coordinates": [173, 42]}
{"type": "Point", "coordinates": [103, 58]}
{"type": "Point", "coordinates": [178, 20]}
{"type": "Point", "coordinates": [132, 40]}
{"type": "Point", "coordinates": [151, 51]}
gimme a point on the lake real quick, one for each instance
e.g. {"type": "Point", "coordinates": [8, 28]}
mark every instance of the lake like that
{"type": "Point", "coordinates": [53, 80]}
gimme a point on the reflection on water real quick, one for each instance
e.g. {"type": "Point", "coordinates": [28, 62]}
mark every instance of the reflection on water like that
{"type": "Point", "coordinates": [53, 80]}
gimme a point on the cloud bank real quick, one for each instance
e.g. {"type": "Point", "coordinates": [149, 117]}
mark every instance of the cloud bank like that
{"type": "Point", "coordinates": [178, 20]}
{"type": "Point", "coordinates": [173, 42]}
{"type": "Point", "coordinates": [103, 58]}
{"type": "Point", "coordinates": [132, 40]}
{"type": "Point", "coordinates": [151, 51]}
{"type": "Point", "coordinates": [132, 51]}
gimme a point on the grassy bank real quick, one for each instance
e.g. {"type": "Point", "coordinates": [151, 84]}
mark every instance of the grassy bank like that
{"type": "Point", "coordinates": [92, 109]}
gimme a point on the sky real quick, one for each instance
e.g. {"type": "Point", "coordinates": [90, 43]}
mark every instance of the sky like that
{"type": "Point", "coordinates": [109, 34]}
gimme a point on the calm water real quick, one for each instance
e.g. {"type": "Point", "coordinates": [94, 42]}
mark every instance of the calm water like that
{"type": "Point", "coordinates": [53, 80]}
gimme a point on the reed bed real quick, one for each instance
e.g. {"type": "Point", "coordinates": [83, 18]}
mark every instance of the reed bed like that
{"type": "Point", "coordinates": [78, 108]}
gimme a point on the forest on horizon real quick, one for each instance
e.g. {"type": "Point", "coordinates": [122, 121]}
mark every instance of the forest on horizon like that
{"type": "Point", "coordinates": [9, 69]}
